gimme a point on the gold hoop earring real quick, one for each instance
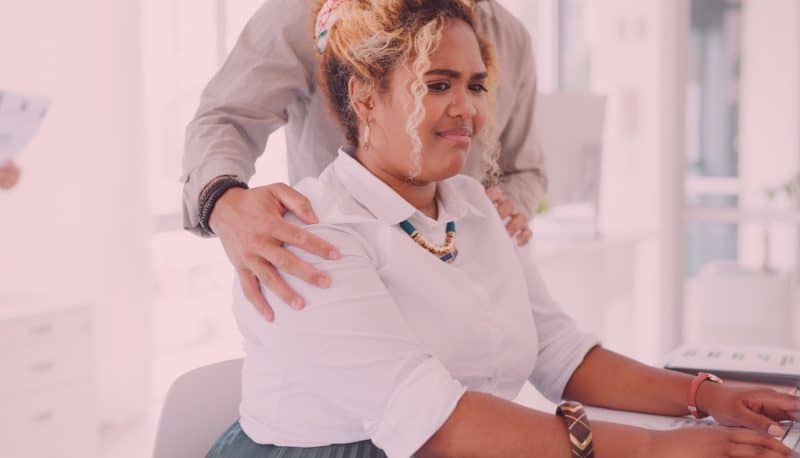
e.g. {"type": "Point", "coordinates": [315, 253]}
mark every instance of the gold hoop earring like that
{"type": "Point", "coordinates": [365, 142]}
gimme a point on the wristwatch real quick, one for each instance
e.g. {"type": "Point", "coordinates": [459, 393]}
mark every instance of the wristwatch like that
{"type": "Point", "coordinates": [694, 386]}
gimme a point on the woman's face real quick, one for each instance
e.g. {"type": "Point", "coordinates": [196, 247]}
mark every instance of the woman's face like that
{"type": "Point", "coordinates": [455, 109]}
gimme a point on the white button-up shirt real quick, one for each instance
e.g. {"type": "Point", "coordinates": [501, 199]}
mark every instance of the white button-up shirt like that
{"type": "Point", "coordinates": [386, 352]}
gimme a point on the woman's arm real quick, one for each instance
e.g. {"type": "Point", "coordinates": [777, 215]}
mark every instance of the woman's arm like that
{"type": "Point", "coordinates": [486, 426]}
{"type": "Point", "coordinates": [269, 67]}
{"type": "Point", "coordinates": [607, 379]}
{"type": "Point", "coordinates": [611, 380]}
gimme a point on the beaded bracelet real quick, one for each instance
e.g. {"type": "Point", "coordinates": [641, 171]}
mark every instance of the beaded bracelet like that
{"type": "Point", "coordinates": [211, 194]}
{"type": "Point", "coordinates": [580, 432]}
{"type": "Point", "coordinates": [204, 192]}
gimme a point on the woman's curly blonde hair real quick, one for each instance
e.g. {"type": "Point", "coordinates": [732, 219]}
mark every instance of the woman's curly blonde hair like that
{"type": "Point", "coordinates": [371, 37]}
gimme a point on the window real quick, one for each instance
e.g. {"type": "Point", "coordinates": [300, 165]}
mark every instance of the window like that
{"type": "Point", "coordinates": [743, 71]}
{"type": "Point", "coordinates": [712, 128]}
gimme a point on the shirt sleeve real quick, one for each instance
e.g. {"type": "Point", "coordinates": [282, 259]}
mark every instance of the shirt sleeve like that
{"type": "Point", "coordinates": [352, 348]}
{"type": "Point", "coordinates": [270, 66]}
{"type": "Point", "coordinates": [522, 160]}
{"type": "Point", "coordinates": [562, 346]}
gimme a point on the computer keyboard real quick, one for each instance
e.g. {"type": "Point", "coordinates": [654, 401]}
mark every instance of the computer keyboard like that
{"type": "Point", "coordinates": [792, 438]}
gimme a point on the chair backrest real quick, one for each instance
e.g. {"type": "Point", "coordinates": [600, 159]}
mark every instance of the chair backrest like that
{"type": "Point", "coordinates": [200, 405]}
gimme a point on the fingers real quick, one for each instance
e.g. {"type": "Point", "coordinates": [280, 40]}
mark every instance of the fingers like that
{"type": "Point", "coordinates": [9, 175]}
{"type": "Point", "coordinates": [274, 282]}
{"type": "Point", "coordinates": [495, 194]}
{"type": "Point", "coordinates": [294, 201]}
{"type": "Point", "coordinates": [782, 401]}
{"type": "Point", "coordinates": [504, 205]}
{"type": "Point", "coordinates": [286, 262]}
{"type": "Point", "coordinates": [290, 234]}
{"type": "Point", "coordinates": [753, 438]}
{"type": "Point", "coordinates": [747, 451]}
{"type": "Point", "coordinates": [777, 406]}
{"type": "Point", "coordinates": [505, 208]}
{"type": "Point", "coordinates": [518, 228]}
{"type": "Point", "coordinates": [516, 223]}
{"type": "Point", "coordinates": [761, 423]}
{"type": "Point", "coordinates": [251, 290]}
{"type": "Point", "coordinates": [524, 236]}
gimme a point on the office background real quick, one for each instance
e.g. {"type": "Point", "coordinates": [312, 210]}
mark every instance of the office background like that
{"type": "Point", "coordinates": [702, 120]}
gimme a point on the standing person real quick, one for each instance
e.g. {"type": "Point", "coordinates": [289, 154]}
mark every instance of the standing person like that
{"type": "Point", "coordinates": [269, 81]}
{"type": "Point", "coordinates": [9, 175]}
{"type": "Point", "coordinates": [419, 346]}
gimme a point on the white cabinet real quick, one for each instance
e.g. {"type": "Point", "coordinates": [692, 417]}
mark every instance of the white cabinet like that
{"type": "Point", "coordinates": [47, 389]}
{"type": "Point", "coordinates": [586, 275]}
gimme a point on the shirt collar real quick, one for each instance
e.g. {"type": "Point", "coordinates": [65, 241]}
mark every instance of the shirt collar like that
{"type": "Point", "coordinates": [384, 202]}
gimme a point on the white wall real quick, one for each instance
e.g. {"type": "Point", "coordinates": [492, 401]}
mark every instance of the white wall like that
{"type": "Point", "coordinates": [78, 224]}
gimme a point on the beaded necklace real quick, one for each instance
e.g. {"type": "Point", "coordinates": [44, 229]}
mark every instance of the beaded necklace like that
{"type": "Point", "coordinates": [446, 252]}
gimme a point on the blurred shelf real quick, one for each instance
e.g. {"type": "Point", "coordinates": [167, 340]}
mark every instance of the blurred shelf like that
{"type": "Point", "coordinates": [734, 215]}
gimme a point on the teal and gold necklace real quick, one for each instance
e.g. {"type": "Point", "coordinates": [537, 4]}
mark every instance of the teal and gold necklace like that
{"type": "Point", "coordinates": [446, 252]}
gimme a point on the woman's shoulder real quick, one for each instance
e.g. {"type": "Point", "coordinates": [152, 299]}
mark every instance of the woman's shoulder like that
{"type": "Point", "coordinates": [472, 191]}
{"type": "Point", "coordinates": [341, 219]}
{"type": "Point", "coordinates": [331, 200]}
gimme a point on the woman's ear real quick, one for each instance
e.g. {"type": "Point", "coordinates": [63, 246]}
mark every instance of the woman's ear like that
{"type": "Point", "coordinates": [361, 99]}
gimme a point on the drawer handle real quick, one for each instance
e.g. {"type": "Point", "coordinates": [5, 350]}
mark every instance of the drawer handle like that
{"type": "Point", "coordinates": [41, 329]}
{"type": "Point", "coordinates": [42, 417]}
{"type": "Point", "coordinates": [42, 366]}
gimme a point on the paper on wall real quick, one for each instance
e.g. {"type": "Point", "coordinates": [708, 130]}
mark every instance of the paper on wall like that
{"type": "Point", "coordinates": [20, 119]}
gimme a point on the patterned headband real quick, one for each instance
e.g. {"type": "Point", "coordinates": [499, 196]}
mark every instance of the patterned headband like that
{"type": "Point", "coordinates": [326, 18]}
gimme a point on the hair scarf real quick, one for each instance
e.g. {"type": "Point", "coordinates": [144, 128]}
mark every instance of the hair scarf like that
{"type": "Point", "coordinates": [326, 18]}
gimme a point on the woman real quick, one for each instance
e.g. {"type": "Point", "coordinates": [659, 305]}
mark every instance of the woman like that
{"type": "Point", "coordinates": [434, 318]}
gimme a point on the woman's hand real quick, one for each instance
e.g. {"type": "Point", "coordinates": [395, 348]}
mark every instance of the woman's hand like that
{"type": "Point", "coordinates": [517, 225]}
{"type": "Point", "coordinates": [9, 175]}
{"type": "Point", "coordinates": [714, 442]}
{"type": "Point", "coordinates": [756, 408]}
{"type": "Point", "coordinates": [250, 224]}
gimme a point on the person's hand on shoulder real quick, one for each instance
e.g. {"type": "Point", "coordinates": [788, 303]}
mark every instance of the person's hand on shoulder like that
{"type": "Point", "coordinates": [517, 225]}
{"type": "Point", "coordinates": [9, 175]}
{"type": "Point", "coordinates": [250, 224]}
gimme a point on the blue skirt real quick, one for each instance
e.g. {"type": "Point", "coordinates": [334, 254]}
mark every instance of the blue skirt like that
{"type": "Point", "coordinates": [234, 443]}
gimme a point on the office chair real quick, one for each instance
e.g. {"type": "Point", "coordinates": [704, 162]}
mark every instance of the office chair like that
{"type": "Point", "coordinates": [200, 405]}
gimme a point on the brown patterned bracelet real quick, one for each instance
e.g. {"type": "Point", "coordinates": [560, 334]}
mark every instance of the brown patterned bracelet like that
{"type": "Point", "coordinates": [580, 433]}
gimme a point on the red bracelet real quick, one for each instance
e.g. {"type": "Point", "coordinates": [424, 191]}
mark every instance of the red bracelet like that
{"type": "Point", "coordinates": [693, 387]}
